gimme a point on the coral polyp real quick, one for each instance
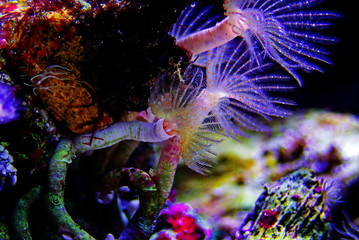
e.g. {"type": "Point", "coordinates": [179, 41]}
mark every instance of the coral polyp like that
{"type": "Point", "coordinates": [9, 105]}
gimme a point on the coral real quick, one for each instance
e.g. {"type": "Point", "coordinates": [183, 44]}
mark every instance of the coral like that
{"type": "Point", "coordinates": [182, 219]}
{"type": "Point", "coordinates": [9, 105]}
{"type": "Point", "coordinates": [7, 170]}
{"type": "Point", "coordinates": [242, 168]}
{"type": "Point", "coordinates": [292, 207]}
{"type": "Point", "coordinates": [151, 200]}
{"type": "Point", "coordinates": [152, 195]}
{"type": "Point", "coordinates": [91, 63]}
{"type": "Point", "coordinates": [142, 223]}
{"type": "Point", "coordinates": [317, 139]}
{"type": "Point", "coordinates": [164, 235]}
{"type": "Point", "coordinates": [70, 100]}
{"type": "Point", "coordinates": [30, 48]}
{"type": "Point", "coordinates": [70, 34]}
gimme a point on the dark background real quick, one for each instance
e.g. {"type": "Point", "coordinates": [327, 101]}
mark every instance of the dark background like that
{"type": "Point", "coordinates": [338, 88]}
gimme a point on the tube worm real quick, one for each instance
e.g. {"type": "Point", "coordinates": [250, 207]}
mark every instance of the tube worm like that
{"type": "Point", "coordinates": [350, 230]}
{"type": "Point", "coordinates": [153, 194]}
{"type": "Point", "coordinates": [67, 227]}
{"type": "Point", "coordinates": [21, 212]}
{"type": "Point", "coordinates": [225, 101]}
{"type": "Point", "coordinates": [136, 130]}
{"type": "Point", "coordinates": [184, 102]}
{"type": "Point", "coordinates": [287, 31]}
{"type": "Point", "coordinates": [142, 223]}
{"type": "Point", "coordinates": [166, 168]}
{"type": "Point", "coordinates": [207, 39]}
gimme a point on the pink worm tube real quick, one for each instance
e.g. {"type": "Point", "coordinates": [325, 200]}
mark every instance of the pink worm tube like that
{"type": "Point", "coordinates": [209, 38]}
{"type": "Point", "coordinates": [166, 168]}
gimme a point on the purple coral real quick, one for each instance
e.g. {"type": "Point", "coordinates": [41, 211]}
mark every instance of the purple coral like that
{"type": "Point", "coordinates": [8, 104]}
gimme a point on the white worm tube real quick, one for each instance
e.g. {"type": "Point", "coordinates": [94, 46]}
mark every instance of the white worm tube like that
{"type": "Point", "coordinates": [136, 130]}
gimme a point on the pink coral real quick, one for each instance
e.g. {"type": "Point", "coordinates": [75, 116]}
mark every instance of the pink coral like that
{"type": "Point", "coordinates": [184, 221]}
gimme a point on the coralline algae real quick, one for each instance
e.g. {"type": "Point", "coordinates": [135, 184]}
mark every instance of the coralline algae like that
{"type": "Point", "coordinates": [291, 208]}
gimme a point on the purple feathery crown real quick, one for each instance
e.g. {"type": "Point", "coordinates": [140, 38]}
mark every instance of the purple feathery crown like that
{"type": "Point", "coordinates": [8, 104]}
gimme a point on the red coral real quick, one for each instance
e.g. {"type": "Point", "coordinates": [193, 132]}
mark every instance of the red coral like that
{"type": "Point", "coordinates": [183, 221]}
{"type": "Point", "coordinates": [268, 218]}
{"type": "Point", "coordinates": [8, 7]}
{"type": "Point", "coordinates": [52, 5]}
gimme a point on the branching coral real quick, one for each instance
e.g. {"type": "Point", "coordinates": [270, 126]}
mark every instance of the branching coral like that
{"type": "Point", "coordinates": [154, 190]}
{"type": "Point", "coordinates": [142, 224]}
{"type": "Point", "coordinates": [152, 200]}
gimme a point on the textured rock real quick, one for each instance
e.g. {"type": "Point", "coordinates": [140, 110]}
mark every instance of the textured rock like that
{"type": "Point", "coordinates": [293, 207]}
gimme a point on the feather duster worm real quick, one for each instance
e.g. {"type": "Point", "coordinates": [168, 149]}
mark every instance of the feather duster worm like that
{"type": "Point", "coordinates": [208, 106]}
{"type": "Point", "coordinates": [287, 31]}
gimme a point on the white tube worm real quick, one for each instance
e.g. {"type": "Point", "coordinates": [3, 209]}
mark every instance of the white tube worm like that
{"type": "Point", "coordinates": [136, 130]}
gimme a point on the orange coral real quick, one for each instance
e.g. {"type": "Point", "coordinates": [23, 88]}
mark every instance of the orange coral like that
{"type": "Point", "coordinates": [43, 34]}
{"type": "Point", "coordinates": [70, 100]}
{"type": "Point", "coordinates": [37, 40]}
